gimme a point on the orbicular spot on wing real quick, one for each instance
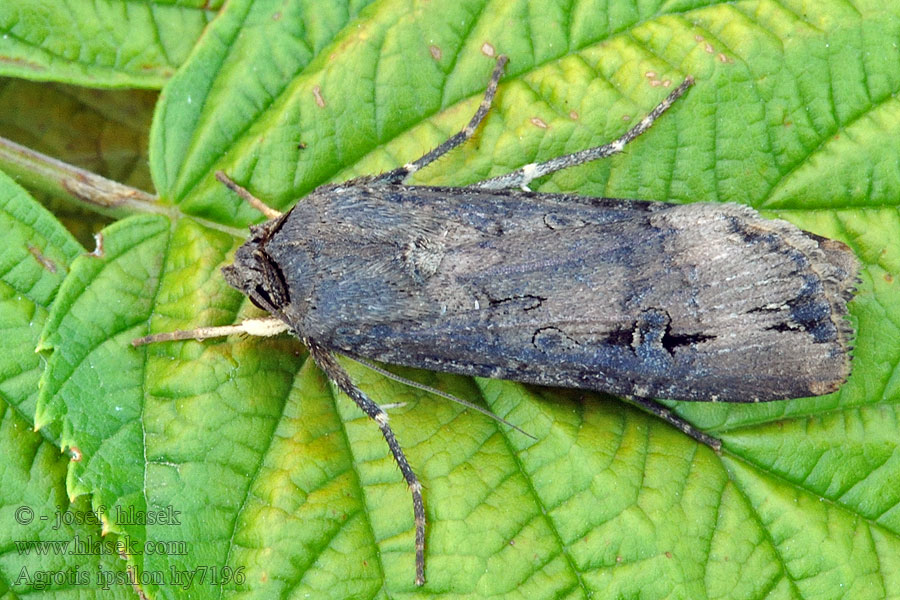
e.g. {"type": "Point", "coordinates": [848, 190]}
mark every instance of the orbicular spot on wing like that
{"type": "Point", "coordinates": [422, 257]}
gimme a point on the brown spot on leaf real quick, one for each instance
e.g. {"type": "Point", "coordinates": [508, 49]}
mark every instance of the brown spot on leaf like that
{"type": "Point", "coordinates": [14, 60]}
{"type": "Point", "coordinates": [38, 256]}
{"type": "Point", "coordinates": [317, 94]}
{"type": "Point", "coordinates": [487, 49]}
{"type": "Point", "coordinates": [539, 123]}
{"type": "Point", "coordinates": [435, 52]}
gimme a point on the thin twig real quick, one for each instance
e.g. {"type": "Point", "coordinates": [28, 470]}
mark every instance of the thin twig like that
{"type": "Point", "coordinates": [80, 185]}
{"type": "Point", "coordinates": [88, 189]}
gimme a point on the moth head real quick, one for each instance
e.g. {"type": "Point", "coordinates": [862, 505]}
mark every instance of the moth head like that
{"type": "Point", "coordinates": [256, 275]}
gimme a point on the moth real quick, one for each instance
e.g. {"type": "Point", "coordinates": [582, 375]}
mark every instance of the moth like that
{"type": "Point", "coordinates": [705, 302]}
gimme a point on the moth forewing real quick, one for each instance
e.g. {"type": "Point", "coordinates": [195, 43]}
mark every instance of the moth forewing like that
{"type": "Point", "coordinates": [688, 302]}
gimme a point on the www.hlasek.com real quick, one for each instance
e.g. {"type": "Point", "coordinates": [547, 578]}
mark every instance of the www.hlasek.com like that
{"type": "Point", "coordinates": [82, 546]}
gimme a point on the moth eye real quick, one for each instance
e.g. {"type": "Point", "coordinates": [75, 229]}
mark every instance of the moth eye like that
{"type": "Point", "coordinates": [268, 300]}
{"type": "Point", "coordinates": [255, 302]}
{"type": "Point", "coordinates": [272, 290]}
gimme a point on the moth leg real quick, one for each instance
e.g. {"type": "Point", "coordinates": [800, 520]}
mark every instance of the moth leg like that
{"type": "Point", "coordinates": [392, 405]}
{"type": "Point", "coordinates": [521, 177]}
{"type": "Point", "coordinates": [400, 174]}
{"type": "Point", "coordinates": [268, 212]}
{"type": "Point", "coordinates": [256, 327]}
{"type": "Point", "coordinates": [657, 409]}
{"type": "Point", "coordinates": [327, 362]}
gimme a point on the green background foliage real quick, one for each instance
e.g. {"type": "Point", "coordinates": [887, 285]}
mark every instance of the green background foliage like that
{"type": "Point", "coordinates": [282, 486]}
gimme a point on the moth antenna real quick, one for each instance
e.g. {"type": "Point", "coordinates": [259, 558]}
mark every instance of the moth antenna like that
{"type": "Point", "coordinates": [268, 212]}
{"type": "Point", "coordinates": [658, 410]}
{"type": "Point", "coordinates": [256, 327]}
{"type": "Point", "coordinates": [437, 392]}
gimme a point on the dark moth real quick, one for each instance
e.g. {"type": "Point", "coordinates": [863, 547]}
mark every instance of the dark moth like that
{"type": "Point", "coordinates": [706, 302]}
{"type": "Point", "coordinates": [690, 302]}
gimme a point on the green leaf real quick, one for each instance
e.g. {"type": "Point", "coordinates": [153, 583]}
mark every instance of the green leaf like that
{"type": "Point", "coordinates": [81, 341]}
{"type": "Point", "coordinates": [34, 259]}
{"type": "Point", "coordinates": [107, 43]}
{"type": "Point", "coordinates": [49, 543]}
{"type": "Point", "coordinates": [279, 39]}
{"type": "Point", "coordinates": [35, 510]}
{"type": "Point", "coordinates": [281, 479]}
